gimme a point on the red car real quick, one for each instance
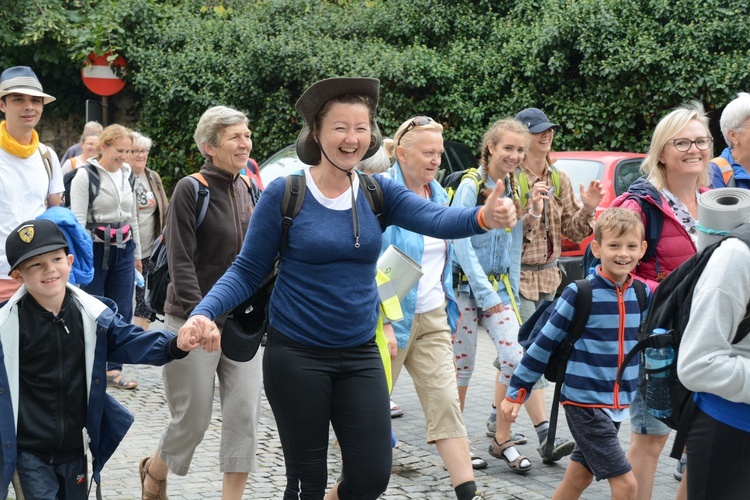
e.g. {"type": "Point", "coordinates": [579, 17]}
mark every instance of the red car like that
{"type": "Point", "coordinates": [615, 170]}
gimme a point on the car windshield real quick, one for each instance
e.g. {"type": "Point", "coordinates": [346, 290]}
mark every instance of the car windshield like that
{"type": "Point", "coordinates": [581, 171]}
{"type": "Point", "coordinates": [281, 164]}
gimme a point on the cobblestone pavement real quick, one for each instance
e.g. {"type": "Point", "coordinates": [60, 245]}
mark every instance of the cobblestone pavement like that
{"type": "Point", "coordinates": [418, 472]}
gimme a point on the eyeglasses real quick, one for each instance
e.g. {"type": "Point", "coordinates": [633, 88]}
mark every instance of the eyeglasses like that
{"type": "Point", "coordinates": [137, 152]}
{"type": "Point", "coordinates": [702, 143]}
{"type": "Point", "coordinates": [417, 121]}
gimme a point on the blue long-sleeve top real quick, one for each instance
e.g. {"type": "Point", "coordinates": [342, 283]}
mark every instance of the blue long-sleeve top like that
{"type": "Point", "coordinates": [412, 243]}
{"type": "Point", "coordinates": [610, 333]}
{"type": "Point", "coordinates": [494, 252]}
{"type": "Point", "coordinates": [325, 293]}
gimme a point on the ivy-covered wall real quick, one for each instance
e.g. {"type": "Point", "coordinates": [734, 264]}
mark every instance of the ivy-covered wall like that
{"type": "Point", "coordinates": [606, 70]}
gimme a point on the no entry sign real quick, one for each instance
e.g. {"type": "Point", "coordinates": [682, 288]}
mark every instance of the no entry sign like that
{"type": "Point", "coordinates": [98, 76]}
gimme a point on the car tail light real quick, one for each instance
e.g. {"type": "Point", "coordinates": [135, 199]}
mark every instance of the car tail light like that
{"type": "Point", "coordinates": [570, 246]}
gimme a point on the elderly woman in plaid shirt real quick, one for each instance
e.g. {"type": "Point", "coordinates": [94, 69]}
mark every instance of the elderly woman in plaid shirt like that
{"type": "Point", "coordinates": [562, 214]}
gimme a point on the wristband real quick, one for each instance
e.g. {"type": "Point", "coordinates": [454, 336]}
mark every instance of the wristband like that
{"type": "Point", "coordinates": [480, 220]}
{"type": "Point", "coordinates": [534, 215]}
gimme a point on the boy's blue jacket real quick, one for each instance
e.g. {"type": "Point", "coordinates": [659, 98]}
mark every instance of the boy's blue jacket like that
{"type": "Point", "coordinates": [107, 337]}
{"type": "Point", "coordinates": [610, 333]}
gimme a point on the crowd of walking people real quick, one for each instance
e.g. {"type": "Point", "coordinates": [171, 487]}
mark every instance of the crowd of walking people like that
{"type": "Point", "coordinates": [488, 257]}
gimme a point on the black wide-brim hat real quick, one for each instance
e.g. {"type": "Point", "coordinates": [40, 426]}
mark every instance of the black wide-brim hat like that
{"type": "Point", "coordinates": [320, 93]}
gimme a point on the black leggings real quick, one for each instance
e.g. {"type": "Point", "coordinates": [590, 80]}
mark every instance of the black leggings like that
{"type": "Point", "coordinates": [718, 460]}
{"type": "Point", "coordinates": [308, 387]}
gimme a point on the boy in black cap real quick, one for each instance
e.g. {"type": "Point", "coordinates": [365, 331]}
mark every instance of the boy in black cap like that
{"type": "Point", "coordinates": [55, 341]}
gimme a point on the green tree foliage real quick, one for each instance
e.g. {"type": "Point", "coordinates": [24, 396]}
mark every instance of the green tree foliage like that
{"type": "Point", "coordinates": [606, 70]}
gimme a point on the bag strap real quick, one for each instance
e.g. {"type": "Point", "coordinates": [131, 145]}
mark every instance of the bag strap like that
{"type": "Point", "coordinates": [727, 173]}
{"type": "Point", "coordinates": [202, 197]}
{"type": "Point", "coordinates": [577, 325]}
{"type": "Point", "coordinates": [294, 196]}
{"type": "Point", "coordinates": [374, 195]}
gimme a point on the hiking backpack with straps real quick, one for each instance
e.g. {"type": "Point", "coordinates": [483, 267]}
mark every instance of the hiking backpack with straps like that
{"type": "Point", "coordinates": [245, 324]}
{"type": "Point", "coordinates": [452, 181]}
{"type": "Point", "coordinates": [94, 183]}
{"type": "Point", "coordinates": [558, 361]}
{"type": "Point", "coordinates": [670, 309]}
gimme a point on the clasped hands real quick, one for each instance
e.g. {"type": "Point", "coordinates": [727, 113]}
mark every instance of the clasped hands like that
{"type": "Point", "coordinates": [199, 331]}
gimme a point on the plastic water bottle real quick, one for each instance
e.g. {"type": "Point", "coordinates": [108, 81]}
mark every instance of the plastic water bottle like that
{"type": "Point", "coordinates": [139, 281]}
{"type": "Point", "coordinates": [658, 400]}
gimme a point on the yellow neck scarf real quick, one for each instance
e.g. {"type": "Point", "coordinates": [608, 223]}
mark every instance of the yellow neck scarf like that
{"type": "Point", "coordinates": [12, 146]}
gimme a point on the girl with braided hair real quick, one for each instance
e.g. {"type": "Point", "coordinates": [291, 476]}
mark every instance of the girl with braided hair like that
{"type": "Point", "coordinates": [489, 278]}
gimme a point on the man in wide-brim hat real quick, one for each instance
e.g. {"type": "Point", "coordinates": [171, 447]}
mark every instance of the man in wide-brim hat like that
{"type": "Point", "coordinates": [29, 171]}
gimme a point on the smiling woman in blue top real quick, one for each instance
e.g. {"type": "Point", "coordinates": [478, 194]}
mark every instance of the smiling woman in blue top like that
{"type": "Point", "coordinates": [321, 365]}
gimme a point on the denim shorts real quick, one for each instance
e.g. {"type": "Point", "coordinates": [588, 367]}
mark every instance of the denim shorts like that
{"type": "Point", "coordinates": [597, 447]}
{"type": "Point", "coordinates": [642, 422]}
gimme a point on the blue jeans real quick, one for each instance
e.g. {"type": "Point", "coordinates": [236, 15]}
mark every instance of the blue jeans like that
{"type": "Point", "coordinates": [44, 481]}
{"type": "Point", "coordinates": [117, 282]}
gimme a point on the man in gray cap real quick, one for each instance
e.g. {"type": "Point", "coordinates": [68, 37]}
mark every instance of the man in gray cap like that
{"type": "Point", "coordinates": [30, 177]}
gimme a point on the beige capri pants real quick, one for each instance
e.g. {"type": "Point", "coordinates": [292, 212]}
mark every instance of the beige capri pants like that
{"type": "Point", "coordinates": [428, 358]}
{"type": "Point", "coordinates": [189, 388]}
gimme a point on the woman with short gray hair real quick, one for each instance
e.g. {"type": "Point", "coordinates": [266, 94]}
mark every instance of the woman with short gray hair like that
{"type": "Point", "coordinates": [732, 167]}
{"type": "Point", "coordinates": [196, 262]}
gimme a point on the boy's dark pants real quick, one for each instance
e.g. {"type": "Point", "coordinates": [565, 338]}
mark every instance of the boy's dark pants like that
{"type": "Point", "coordinates": [41, 480]}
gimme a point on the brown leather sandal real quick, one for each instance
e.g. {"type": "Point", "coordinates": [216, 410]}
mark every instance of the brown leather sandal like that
{"type": "Point", "coordinates": [497, 451]}
{"type": "Point", "coordinates": [143, 469]}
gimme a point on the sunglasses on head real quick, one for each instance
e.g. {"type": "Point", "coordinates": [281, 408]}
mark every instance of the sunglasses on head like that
{"type": "Point", "coordinates": [417, 121]}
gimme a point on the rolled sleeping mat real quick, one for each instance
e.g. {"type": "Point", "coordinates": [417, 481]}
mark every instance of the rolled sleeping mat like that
{"type": "Point", "coordinates": [719, 211]}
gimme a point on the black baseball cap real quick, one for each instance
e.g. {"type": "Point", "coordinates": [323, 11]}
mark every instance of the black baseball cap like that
{"type": "Point", "coordinates": [32, 238]}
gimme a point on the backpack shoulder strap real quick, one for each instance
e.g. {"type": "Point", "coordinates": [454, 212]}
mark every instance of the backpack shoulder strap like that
{"type": "Point", "coordinates": [577, 325]}
{"type": "Point", "coordinates": [202, 197]}
{"type": "Point", "coordinates": [640, 292]}
{"type": "Point", "coordinates": [94, 182]}
{"type": "Point", "coordinates": [523, 186]}
{"type": "Point", "coordinates": [73, 163]}
{"type": "Point", "coordinates": [294, 196]}
{"type": "Point", "coordinates": [374, 195]}
{"type": "Point", "coordinates": [474, 175]}
{"type": "Point", "coordinates": [46, 159]}
{"type": "Point", "coordinates": [727, 173]}
{"type": "Point", "coordinates": [555, 174]}
{"type": "Point", "coordinates": [654, 223]}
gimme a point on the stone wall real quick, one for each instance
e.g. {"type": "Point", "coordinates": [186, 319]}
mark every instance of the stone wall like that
{"type": "Point", "coordinates": [62, 132]}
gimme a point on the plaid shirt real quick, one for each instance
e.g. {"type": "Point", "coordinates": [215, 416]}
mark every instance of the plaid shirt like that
{"type": "Point", "coordinates": [563, 215]}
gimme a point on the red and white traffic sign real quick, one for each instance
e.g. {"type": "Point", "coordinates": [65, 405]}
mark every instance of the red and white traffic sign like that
{"type": "Point", "coordinates": [98, 75]}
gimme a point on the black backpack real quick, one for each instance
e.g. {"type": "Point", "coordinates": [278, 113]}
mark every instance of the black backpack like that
{"type": "Point", "coordinates": [94, 183]}
{"type": "Point", "coordinates": [245, 324]}
{"type": "Point", "coordinates": [558, 361]}
{"type": "Point", "coordinates": [452, 181]}
{"type": "Point", "coordinates": [157, 278]}
{"type": "Point", "coordinates": [654, 224]}
{"type": "Point", "coordinates": [670, 309]}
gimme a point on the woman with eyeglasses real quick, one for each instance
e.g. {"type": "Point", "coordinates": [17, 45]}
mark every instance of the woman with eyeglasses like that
{"type": "Point", "coordinates": [732, 167]}
{"type": "Point", "coordinates": [675, 173]}
{"type": "Point", "coordinates": [112, 220]}
{"type": "Point", "coordinates": [152, 203]}
{"type": "Point", "coordinates": [421, 341]}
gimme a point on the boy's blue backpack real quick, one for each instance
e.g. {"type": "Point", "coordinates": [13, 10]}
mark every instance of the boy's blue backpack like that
{"type": "Point", "coordinates": [558, 362]}
{"type": "Point", "coordinates": [670, 309]}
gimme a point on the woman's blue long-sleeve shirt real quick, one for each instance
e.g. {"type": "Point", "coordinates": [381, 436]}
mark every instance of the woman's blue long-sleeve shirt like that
{"type": "Point", "coordinates": [325, 293]}
{"type": "Point", "coordinates": [494, 252]}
